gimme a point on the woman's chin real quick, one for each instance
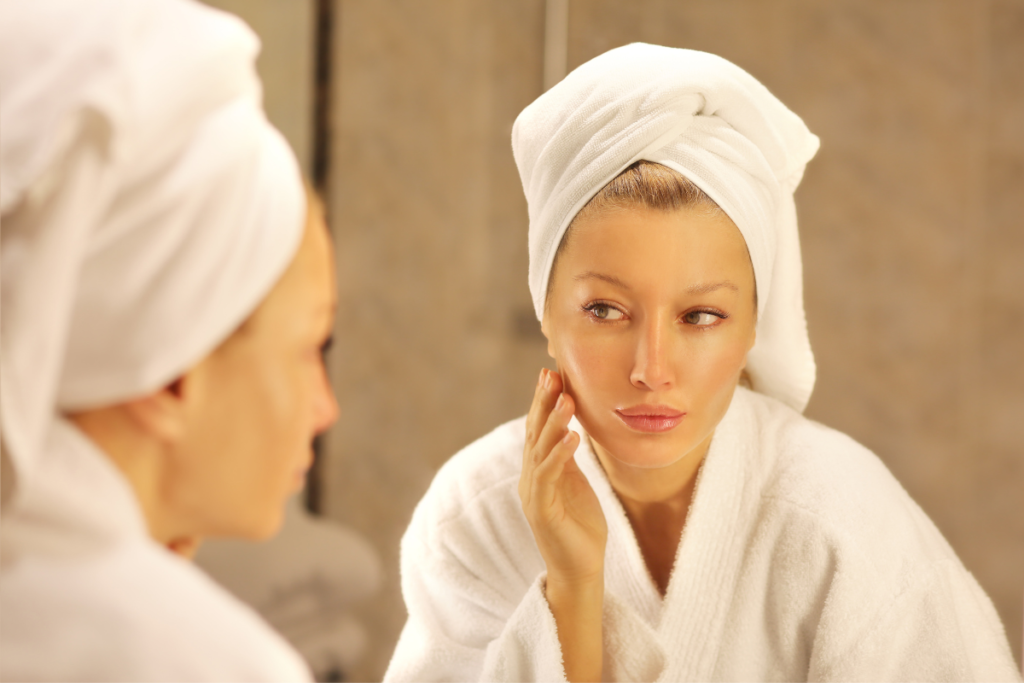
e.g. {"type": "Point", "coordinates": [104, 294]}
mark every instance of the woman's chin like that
{"type": "Point", "coordinates": [258, 525]}
{"type": "Point", "coordinates": [642, 451]}
{"type": "Point", "coordinates": [648, 461]}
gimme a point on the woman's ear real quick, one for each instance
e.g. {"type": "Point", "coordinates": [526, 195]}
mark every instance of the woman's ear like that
{"type": "Point", "coordinates": [163, 414]}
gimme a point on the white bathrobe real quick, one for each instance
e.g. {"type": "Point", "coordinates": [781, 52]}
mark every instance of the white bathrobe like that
{"type": "Point", "coordinates": [87, 595]}
{"type": "Point", "coordinates": [802, 558]}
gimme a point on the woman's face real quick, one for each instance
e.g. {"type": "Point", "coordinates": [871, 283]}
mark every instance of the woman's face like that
{"type": "Point", "coordinates": [257, 402]}
{"type": "Point", "coordinates": [650, 318]}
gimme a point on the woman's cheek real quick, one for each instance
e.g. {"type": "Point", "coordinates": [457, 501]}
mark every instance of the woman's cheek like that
{"type": "Point", "coordinates": [288, 382]}
{"type": "Point", "coordinates": [590, 372]}
{"type": "Point", "coordinates": [719, 370]}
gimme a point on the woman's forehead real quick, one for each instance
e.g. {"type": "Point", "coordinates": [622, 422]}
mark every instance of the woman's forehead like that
{"type": "Point", "coordinates": [692, 248]}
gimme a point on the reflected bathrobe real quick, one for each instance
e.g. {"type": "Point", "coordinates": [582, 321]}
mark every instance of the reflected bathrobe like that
{"type": "Point", "coordinates": [87, 595]}
{"type": "Point", "coordinates": [802, 558]}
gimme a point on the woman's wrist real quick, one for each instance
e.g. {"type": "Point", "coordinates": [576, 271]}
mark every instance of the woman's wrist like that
{"type": "Point", "coordinates": [577, 606]}
{"type": "Point", "coordinates": [575, 590]}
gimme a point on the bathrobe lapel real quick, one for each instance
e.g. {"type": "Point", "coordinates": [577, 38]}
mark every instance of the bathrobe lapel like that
{"type": "Point", "coordinates": [626, 574]}
{"type": "Point", "coordinates": [692, 616]}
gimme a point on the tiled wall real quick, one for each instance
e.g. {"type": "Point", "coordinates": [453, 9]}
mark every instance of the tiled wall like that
{"type": "Point", "coordinates": [436, 339]}
{"type": "Point", "coordinates": [912, 219]}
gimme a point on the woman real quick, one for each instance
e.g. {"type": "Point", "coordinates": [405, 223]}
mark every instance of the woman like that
{"type": "Point", "coordinates": [167, 287]}
{"type": "Point", "coordinates": [652, 518]}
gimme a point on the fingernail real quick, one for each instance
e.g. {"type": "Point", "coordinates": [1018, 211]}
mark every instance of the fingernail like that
{"type": "Point", "coordinates": [568, 436]}
{"type": "Point", "coordinates": [540, 378]}
{"type": "Point", "coordinates": [561, 402]}
{"type": "Point", "coordinates": [547, 379]}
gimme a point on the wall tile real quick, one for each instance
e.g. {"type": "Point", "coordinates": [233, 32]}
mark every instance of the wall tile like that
{"type": "Point", "coordinates": [431, 236]}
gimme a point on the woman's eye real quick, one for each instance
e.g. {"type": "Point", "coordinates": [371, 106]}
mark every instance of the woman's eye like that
{"type": "Point", "coordinates": [604, 312]}
{"type": "Point", "coordinates": [701, 318]}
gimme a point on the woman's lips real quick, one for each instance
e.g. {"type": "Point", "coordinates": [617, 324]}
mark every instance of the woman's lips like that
{"type": "Point", "coordinates": [651, 419]}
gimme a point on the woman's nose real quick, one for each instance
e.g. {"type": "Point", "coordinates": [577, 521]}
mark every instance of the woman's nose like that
{"type": "Point", "coordinates": [652, 368]}
{"type": "Point", "coordinates": [325, 405]}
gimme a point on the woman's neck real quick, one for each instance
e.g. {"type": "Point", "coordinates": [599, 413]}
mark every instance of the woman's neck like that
{"type": "Point", "coordinates": [138, 459]}
{"type": "Point", "coordinates": [656, 502]}
{"type": "Point", "coordinates": [657, 486]}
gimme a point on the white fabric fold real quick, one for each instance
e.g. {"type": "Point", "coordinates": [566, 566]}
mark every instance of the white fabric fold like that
{"type": "Point", "coordinates": [707, 119]}
{"type": "Point", "coordinates": [527, 649]}
{"type": "Point", "coordinates": [87, 596]}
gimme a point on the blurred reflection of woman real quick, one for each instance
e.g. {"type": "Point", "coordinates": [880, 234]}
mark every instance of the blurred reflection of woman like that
{"type": "Point", "coordinates": [167, 288]}
{"type": "Point", "coordinates": [652, 518]}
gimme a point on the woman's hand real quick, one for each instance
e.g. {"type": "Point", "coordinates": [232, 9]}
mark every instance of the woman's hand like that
{"type": "Point", "coordinates": [568, 525]}
{"type": "Point", "coordinates": [559, 503]}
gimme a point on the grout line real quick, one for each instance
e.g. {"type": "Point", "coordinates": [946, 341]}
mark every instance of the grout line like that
{"type": "Point", "coordinates": [323, 33]}
{"type": "Point", "coordinates": [556, 41]}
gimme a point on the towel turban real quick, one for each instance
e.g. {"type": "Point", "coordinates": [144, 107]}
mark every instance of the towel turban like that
{"type": "Point", "coordinates": [714, 123]}
{"type": "Point", "coordinates": [148, 205]}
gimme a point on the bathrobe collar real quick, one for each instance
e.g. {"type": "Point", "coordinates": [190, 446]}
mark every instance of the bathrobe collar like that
{"type": "Point", "coordinates": [714, 537]}
{"type": "Point", "coordinates": [79, 505]}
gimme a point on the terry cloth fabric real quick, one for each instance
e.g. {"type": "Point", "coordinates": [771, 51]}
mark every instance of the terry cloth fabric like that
{"type": "Point", "coordinates": [86, 595]}
{"type": "Point", "coordinates": [802, 559]}
{"type": "Point", "coordinates": [148, 207]}
{"type": "Point", "coordinates": [712, 122]}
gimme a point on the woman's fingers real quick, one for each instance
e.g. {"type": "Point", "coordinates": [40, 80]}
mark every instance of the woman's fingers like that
{"type": "Point", "coordinates": [554, 428]}
{"type": "Point", "coordinates": [561, 507]}
{"type": "Point", "coordinates": [548, 471]}
{"type": "Point", "coordinates": [544, 482]}
{"type": "Point", "coordinates": [545, 424]}
{"type": "Point", "coordinates": [533, 417]}
{"type": "Point", "coordinates": [549, 386]}
{"type": "Point", "coordinates": [554, 445]}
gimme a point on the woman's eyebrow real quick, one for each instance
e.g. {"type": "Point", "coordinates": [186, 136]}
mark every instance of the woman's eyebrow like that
{"type": "Point", "coordinates": [699, 288]}
{"type": "Point", "coordinates": [708, 287]}
{"type": "Point", "coordinates": [601, 276]}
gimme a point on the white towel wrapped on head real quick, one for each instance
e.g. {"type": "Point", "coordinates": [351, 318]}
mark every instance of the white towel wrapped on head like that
{"type": "Point", "coordinates": [713, 122]}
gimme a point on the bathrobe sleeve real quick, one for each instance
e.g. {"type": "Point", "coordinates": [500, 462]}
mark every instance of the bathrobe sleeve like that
{"type": "Point", "coordinates": [472, 577]}
{"type": "Point", "coordinates": [453, 636]}
{"type": "Point", "coordinates": [528, 648]}
{"type": "Point", "coordinates": [461, 627]}
{"type": "Point", "coordinates": [941, 626]}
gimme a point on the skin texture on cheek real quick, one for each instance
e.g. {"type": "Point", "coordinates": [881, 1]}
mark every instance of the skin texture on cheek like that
{"type": "Point", "coordinates": [237, 469]}
{"type": "Point", "coordinates": [265, 399]}
{"type": "Point", "coordinates": [709, 380]}
{"type": "Point", "coordinates": [643, 352]}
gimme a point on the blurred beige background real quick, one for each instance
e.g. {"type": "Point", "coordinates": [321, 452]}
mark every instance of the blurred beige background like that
{"type": "Point", "coordinates": [912, 218]}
